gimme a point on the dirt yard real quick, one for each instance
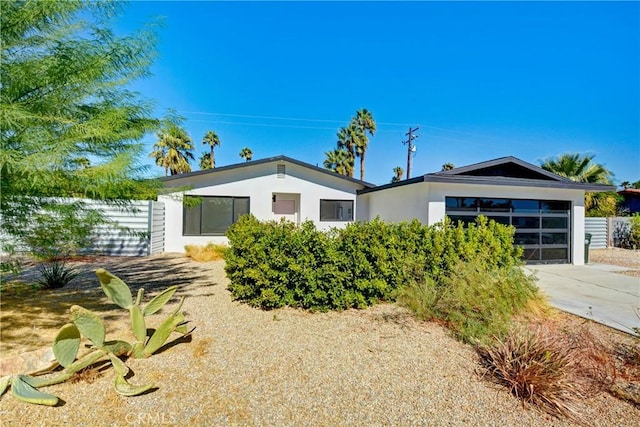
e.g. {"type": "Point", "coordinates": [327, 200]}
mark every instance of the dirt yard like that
{"type": "Point", "coordinates": [245, 366]}
{"type": "Point", "coordinates": [620, 257]}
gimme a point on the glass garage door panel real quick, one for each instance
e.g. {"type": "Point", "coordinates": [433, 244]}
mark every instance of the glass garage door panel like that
{"type": "Point", "coordinates": [542, 226]}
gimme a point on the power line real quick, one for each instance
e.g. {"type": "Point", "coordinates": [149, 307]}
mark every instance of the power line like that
{"type": "Point", "coordinates": [250, 116]}
{"type": "Point", "coordinates": [279, 125]}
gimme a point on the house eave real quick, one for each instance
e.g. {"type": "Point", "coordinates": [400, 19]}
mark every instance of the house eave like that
{"type": "Point", "coordinates": [264, 161]}
{"type": "Point", "coordinates": [517, 182]}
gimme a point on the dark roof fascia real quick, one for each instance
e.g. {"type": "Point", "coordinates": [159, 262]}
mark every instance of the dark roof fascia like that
{"type": "Point", "coordinates": [518, 182]}
{"type": "Point", "coordinates": [501, 161]}
{"type": "Point", "coordinates": [392, 185]}
{"type": "Point", "coordinates": [267, 160]}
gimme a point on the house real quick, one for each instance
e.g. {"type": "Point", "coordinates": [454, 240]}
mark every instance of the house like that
{"type": "Point", "coordinates": [631, 203]}
{"type": "Point", "coordinates": [270, 189]}
{"type": "Point", "coordinates": [547, 210]}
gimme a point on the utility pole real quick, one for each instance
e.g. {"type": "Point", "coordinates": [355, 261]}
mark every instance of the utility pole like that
{"type": "Point", "coordinates": [411, 149]}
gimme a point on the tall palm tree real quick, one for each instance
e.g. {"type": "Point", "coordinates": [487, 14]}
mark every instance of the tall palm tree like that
{"type": "Point", "coordinates": [339, 161]}
{"type": "Point", "coordinates": [211, 139]}
{"type": "Point", "coordinates": [172, 151]}
{"type": "Point", "coordinates": [448, 166]}
{"type": "Point", "coordinates": [205, 161]}
{"type": "Point", "coordinates": [578, 167]}
{"type": "Point", "coordinates": [366, 124]}
{"type": "Point", "coordinates": [397, 174]}
{"type": "Point", "coordinates": [246, 154]}
{"type": "Point", "coordinates": [348, 139]}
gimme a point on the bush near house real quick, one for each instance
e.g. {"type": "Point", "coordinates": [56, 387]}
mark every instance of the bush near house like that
{"type": "Point", "coordinates": [465, 276]}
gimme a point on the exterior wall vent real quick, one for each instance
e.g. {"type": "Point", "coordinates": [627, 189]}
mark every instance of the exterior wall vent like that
{"type": "Point", "coordinates": [281, 171]}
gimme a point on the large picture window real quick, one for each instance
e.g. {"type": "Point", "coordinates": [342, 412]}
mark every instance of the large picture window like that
{"type": "Point", "coordinates": [213, 216]}
{"type": "Point", "coordinates": [336, 210]}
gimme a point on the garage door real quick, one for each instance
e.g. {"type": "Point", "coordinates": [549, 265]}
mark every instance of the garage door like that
{"type": "Point", "coordinates": [542, 226]}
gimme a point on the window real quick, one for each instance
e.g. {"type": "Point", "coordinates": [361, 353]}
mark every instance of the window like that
{"type": "Point", "coordinates": [336, 210]}
{"type": "Point", "coordinates": [213, 216]}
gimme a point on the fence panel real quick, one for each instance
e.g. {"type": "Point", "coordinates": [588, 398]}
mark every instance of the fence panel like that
{"type": "Point", "coordinates": [129, 236]}
{"type": "Point", "coordinates": [157, 228]}
{"type": "Point", "coordinates": [598, 229]}
{"type": "Point", "coordinates": [618, 229]}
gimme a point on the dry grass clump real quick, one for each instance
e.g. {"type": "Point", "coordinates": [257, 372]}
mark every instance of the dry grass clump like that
{"type": "Point", "coordinates": [535, 365]}
{"type": "Point", "coordinates": [210, 252]}
{"type": "Point", "coordinates": [554, 369]}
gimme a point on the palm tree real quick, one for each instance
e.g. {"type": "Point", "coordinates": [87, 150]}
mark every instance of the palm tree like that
{"type": "Point", "coordinates": [577, 167]}
{"type": "Point", "coordinates": [348, 139]}
{"type": "Point", "coordinates": [397, 174]}
{"type": "Point", "coordinates": [172, 151]}
{"type": "Point", "coordinates": [365, 124]}
{"type": "Point", "coordinates": [339, 160]}
{"type": "Point", "coordinates": [246, 154]}
{"type": "Point", "coordinates": [205, 161]}
{"type": "Point", "coordinates": [211, 138]}
{"type": "Point", "coordinates": [448, 166]}
{"type": "Point", "coordinates": [625, 185]}
{"type": "Point", "coordinates": [581, 168]}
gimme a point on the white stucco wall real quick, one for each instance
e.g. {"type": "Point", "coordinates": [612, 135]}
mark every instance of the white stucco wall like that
{"type": "Point", "coordinates": [257, 182]}
{"type": "Point", "coordinates": [396, 204]}
{"type": "Point", "coordinates": [426, 202]}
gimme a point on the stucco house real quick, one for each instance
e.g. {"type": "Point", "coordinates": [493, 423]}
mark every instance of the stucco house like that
{"type": "Point", "coordinates": [271, 188]}
{"type": "Point", "coordinates": [546, 209]}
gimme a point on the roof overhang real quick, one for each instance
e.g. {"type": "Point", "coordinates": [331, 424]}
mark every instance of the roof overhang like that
{"type": "Point", "coordinates": [253, 163]}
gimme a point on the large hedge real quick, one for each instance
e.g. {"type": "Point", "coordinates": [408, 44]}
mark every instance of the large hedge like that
{"type": "Point", "coordinates": [274, 264]}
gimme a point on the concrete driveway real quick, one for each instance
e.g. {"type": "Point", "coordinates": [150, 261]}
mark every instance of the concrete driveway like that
{"type": "Point", "coordinates": [592, 291]}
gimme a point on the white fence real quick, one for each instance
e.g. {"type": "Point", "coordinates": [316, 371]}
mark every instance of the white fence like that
{"type": "Point", "coordinates": [606, 232]}
{"type": "Point", "coordinates": [598, 229]}
{"type": "Point", "coordinates": [138, 229]}
{"type": "Point", "coordinates": [135, 229]}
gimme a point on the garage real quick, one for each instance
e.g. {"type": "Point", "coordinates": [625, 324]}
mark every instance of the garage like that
{"type": "Point", "coordinates": [547, 210]}
{"type": "Point", "coordinates": [542, 226]}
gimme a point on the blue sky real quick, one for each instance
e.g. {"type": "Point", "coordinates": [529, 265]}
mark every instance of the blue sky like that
{"type": "Point", "coordinates": [482, 80]}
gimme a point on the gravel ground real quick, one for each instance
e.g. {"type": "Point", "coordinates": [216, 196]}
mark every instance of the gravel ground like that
{"type": "Point", "coordinates": [616, 256]}
{"type": "Point", "coordinates": [245, 366]}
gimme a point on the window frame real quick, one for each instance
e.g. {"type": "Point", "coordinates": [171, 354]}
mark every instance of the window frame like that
{"type": "Point", "coordinates": [337, 201]}
{"type": "Point", "coordinates": [185, 210]}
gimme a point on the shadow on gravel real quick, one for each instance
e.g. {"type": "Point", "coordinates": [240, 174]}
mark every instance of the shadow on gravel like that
{"type": "Point", "coordinates": [29, 319]}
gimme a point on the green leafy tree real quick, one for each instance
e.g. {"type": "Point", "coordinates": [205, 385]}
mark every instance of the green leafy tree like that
{"type": "Point", "coordinates": [173, 150]}
{"type": "Point", "coordinates": [338, 161]}
{"type": "Point", "coordinates": [246, 154]}
{"type": "Point", "coordinates": [211, 139]}
{"type": "Point", "coordinates": [205, 161]}
{"type": "Point", "coordinates": [582, 168]}
{"type": "Point", "coordinates": [448, 166]}
{"type": "Point", "coordinates": [397, 174]}
{"type": "Point", "coordinates": [365, 123]}
{"type": "Point", "coordinates": [68, 125]}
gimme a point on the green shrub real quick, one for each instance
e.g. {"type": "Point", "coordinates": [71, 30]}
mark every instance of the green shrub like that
{"type": "Point", "coordinates": [474, 300]}
{"type": "Point", "coordinates": [275, 264]}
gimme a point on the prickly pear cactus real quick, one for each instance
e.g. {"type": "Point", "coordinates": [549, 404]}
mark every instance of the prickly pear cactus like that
{"type": "Point", "coordinates": [87, 324]}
